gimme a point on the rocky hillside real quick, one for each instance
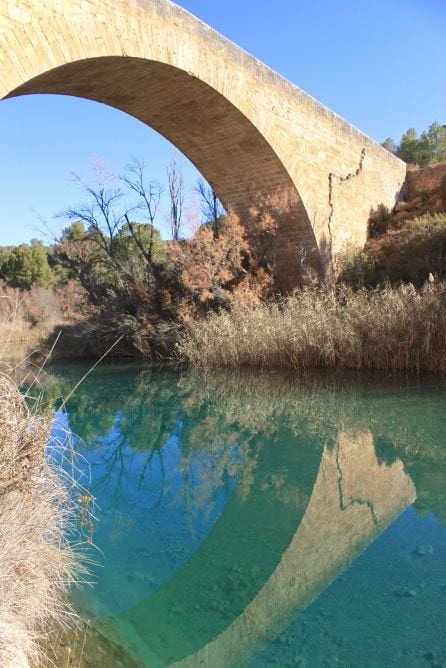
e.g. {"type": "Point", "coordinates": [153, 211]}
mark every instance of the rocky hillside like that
{"type": "Point", "coordinates": [406, 244]}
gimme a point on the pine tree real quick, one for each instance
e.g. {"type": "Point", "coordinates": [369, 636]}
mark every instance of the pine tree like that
{"type": "Point", "coordinates": [407, 150]}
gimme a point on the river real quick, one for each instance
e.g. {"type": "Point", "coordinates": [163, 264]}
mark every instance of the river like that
{"type": "Point", "coordinates": [260, 519]}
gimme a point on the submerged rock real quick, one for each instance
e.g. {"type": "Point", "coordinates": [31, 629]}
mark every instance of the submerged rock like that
{"type": "Point", "coordinates": [424, 550]}
{"type": "Point", "coordinates": [404, 592]}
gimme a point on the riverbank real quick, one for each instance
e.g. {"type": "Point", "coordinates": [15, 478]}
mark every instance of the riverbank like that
{"type": "Point", "coordinates": [209, 303]}
{"type": "Point", "coordinates": [388, 329]}
{"type": "Point", "coordinates": [387, 312]}
{"type": "Point", "coordinates": [37, 563]}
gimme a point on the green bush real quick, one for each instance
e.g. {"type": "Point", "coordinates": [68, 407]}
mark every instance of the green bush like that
{"type": "Point", "coordinates": [379, 221]}
{"type": "Point", "coordinates": [358, 269]}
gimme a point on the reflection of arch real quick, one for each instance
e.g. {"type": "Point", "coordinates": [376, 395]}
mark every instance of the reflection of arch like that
{"type": "Point", "coordinates": [353, 500]}
{"type": "Point", "coordinates": [264, 509]}
{"type": "Point", "coordinates": [251, 133]}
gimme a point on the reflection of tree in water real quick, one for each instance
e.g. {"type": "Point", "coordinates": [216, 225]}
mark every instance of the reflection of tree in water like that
{"type": "Point", "coordinates": [131, 415]}
{"type": "Point", "coordinates": [220, 414]}
{"type": "Point", "coordinates": [405, 416]}
{"type": "Point", "coordinates": [114, 413]}
{"type": "Point", "coordinates": [256, 440]}
{"type": "Point", "coordinates": [110, 396]}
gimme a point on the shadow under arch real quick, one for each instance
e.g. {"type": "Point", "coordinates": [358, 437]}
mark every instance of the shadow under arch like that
{"type": "Point", "coordinates": [216, 136]}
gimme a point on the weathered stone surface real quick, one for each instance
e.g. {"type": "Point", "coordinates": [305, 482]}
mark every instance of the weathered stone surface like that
{"type": "Point", "coordinates": [250, 132]}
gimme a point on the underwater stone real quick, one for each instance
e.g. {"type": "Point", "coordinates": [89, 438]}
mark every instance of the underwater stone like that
{"type": "Point", "coordinates": [404, 592]}
{"type": "Point", "coordinates": [424, 550]}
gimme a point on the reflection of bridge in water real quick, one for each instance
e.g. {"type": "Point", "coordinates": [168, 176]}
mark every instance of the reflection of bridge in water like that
{"type": "Point", "coordinates": [233, 597]}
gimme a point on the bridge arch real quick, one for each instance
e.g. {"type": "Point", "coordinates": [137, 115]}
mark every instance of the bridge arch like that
{"type": "Point", "coordinates": [217, 137]}
{"type": "Point", "coordinates": [252, 134]}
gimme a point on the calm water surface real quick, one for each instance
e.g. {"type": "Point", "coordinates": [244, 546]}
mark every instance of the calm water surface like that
{"type": "Point", "coordinates": [262, 519]}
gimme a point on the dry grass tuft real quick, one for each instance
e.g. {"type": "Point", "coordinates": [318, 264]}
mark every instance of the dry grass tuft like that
{"type": "Point", "coordinates": [28, 318]}
{"type": "Point", "coordinates": [397, 329]}
{"type": "Point", "coordinates": [37, 564]}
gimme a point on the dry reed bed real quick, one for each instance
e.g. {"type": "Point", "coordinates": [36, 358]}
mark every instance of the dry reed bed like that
{"type": "Point", "coordinates": [37, 565]}
{"type": "Point", "coordinates": [397, 329]}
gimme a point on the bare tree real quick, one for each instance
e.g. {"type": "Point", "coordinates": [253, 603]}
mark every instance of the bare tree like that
{"type": "Point", "coordinates": [98, 251]}
{"type": "Point", "coordinates": [211, 208]}
{"type": "Point", "coordinates": [149, 196]}
{"type": "Point", "coordinates": [176, 192]}
{"type": "Point", "coordinates": [100, 214]}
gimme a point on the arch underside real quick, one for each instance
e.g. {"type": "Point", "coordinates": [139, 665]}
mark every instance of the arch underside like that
{"type": "Point", "coordinates": [220, 141]}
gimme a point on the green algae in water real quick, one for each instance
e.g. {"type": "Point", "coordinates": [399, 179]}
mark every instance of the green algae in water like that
{"type": "Point", "coordinates": [264, 519]}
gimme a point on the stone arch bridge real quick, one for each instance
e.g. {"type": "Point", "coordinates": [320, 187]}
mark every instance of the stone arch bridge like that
{"type": "Point", "coordinates": [254, 136]}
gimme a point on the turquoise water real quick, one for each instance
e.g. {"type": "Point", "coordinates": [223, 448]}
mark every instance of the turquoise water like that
{"type": "Point", "coordinates": [254, 519]}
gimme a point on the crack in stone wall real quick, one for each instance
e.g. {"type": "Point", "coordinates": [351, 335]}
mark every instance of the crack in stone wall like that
{"type": "Point", "coordinates": [353, 499]}
{"type": "Point", "coordinates": [332, 177]}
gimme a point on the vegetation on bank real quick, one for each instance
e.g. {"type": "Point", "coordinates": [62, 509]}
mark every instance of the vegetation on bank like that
{"type": "Point", "coordinates": [396, 329]}
{"type": "Point", "coordinates": [110, 278]}
{"type": "Point", "coordinates": [387, 311]}
{"type": "Point", "coordinates": [405, 251]}
{"type": "Point", "coordinates": [427, 149]}
{"type": "Point", "coordinates": [122, 280]}
{"type": "Point", "coordinates": [29, 317]}
{"type": "Point", "coordinates": [37, 563]}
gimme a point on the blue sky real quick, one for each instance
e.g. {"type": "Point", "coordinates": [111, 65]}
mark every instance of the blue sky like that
{"type": "Point", "coordinates": [380, 65]}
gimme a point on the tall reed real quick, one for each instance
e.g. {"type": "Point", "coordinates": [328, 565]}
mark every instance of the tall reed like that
{"type": "Point", "coordinates": [37, 563]}
{"type": "Point", "coordinates": [396, 329]}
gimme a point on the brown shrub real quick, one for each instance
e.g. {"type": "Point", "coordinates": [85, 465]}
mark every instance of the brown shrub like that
{"type": "Point", "coordinates": [70, 300]}
{"type": "Point", "coordinates": [213, 273]}
{"type": "Point", "coordinates": [413, 252]}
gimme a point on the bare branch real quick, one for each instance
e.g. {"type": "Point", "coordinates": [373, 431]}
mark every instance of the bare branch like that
{"type": "Point", "coordinates": [149, 197]}
{"type": "Point", "coordinates": [176, 192]}
{"type": "Point", "coordinates": [211, 208]}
